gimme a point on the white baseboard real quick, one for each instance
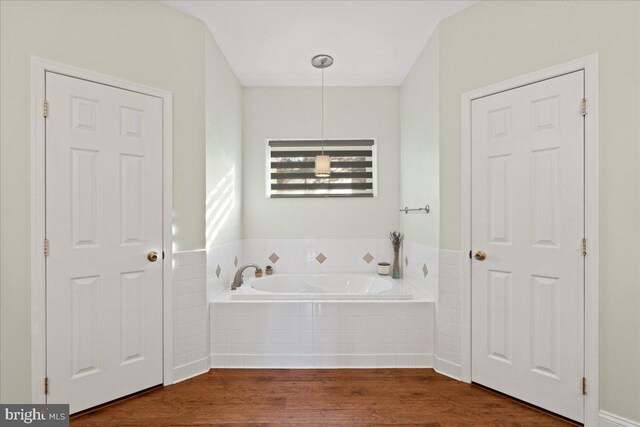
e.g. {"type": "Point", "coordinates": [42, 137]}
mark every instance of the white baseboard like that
{"type": "Point", "coordinates": [190, 370]}
{"type": "Point", "coordinates": [607, 419]}
{"type": "Point", "coordinates": [320, 361]}
{"type": "Point", "coordinates": [449, 369]}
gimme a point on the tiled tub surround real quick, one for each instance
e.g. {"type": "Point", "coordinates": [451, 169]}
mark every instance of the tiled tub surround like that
{"type": "Point", "coordinates": [419, 262]}
{"type": "Point", "coordinates": [321, 334]}
{"type": "Point", "coordinates": [222, 263]}
{"type": "Point", "coordinates": [420, 267]}
{"type": "Point", "coordinates": [319, 255]}
{"type": "Point", "coordinates": [190, 316]}
{"type": "Point", "coordinates": [449, 314]}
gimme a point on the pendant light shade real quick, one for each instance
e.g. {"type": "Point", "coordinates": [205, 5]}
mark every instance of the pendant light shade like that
{"type": "Point", "coordinates": [323, 166]}
{"type": "Point", "coordinates": [323, 162]}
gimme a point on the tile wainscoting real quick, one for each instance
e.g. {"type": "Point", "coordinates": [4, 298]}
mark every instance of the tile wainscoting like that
{"type": "Point", "coordinates": [321, 334]}
{"type": "Point", "coordinates": [222, 263]}
{"type": "Point", "coordinates": [419, 262]}
{"type": "Point", "coordinates": [436, 273]}
{"type": "Point", "coordinates": [420, 267]}
{"type": "Point", "coordinates": [449, 314]}
{"type": "Point", "coordinates": [190, 314]}
{"type": "Point", "coordinates": [319, 255]}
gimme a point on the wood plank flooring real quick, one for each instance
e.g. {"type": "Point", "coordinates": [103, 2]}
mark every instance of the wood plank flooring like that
{"type": "Point", "coordinates": [320, 397]}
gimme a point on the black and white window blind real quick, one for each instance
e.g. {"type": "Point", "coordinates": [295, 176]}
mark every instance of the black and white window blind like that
{"type": "Point", "coordinates": [291, 168]}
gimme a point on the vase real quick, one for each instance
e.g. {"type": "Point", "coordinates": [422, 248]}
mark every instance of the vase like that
{"type": "Point", "coordinates": [396, 263]}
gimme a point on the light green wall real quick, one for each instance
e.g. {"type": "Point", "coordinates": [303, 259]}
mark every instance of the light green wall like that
{"type": "Point", "coordinates": [419, 126]}
{"type": "Point", "coordinates": [152, 44]}
{"type": "Point", "coordinates": [142, 41]}
{"type": "Point", "coordinates": [224, 148]}
{"type": "Point", "coordinates": [494, 41]}
{"type": "Point", "coordinates": [294, 112]}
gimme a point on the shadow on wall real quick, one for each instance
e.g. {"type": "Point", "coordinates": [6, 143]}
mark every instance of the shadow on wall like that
{"type": "Point", "coordinates": [220, 202]}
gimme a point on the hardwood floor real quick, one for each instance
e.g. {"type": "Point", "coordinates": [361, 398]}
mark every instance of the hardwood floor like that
{"type": "Point", "coordinates": [320, 397]}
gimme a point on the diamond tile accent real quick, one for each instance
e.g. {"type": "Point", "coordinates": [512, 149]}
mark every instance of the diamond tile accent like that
{"type": "Point", "coordinates": [274, 258]}
{"type": "Point", "coordinates": [235, 262]}
{"type": "Point", "coordinates": [218, 270]}
{"type": "Point", "coordinates": [425, 270]}
{"type": "Point", "coordinates": [406, 261]}
{"type": "Point", "coordinates": [367, 258]}
{"type": "Point", "coordinates": [321, 258]}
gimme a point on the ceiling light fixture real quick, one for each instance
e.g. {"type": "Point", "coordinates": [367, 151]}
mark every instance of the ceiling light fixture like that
{"type": "Point", "coordinates": [323, 162]}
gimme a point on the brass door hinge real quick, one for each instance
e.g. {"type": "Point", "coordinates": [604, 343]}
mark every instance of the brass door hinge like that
{"type": "Point", "coordinates": [584, 385]}
{"type": "Point", "coordinates": [584, 247]}
{"type": "Point", "coordinates": [45, 108]}
{"type": "Point", "coordinates": [46, 247]}
{"type": "Point", "coordinates": [584, 106]}
{"type": "Point", "coordinates": [46, 385]}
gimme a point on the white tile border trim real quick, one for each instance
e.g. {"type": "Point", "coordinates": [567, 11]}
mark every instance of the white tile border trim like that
{"type": "Point", "coordinates": [190, 370]}
{"type": "Point", "coordinates": [447, 368]}
{"type": "Point", "coordinates": [320, 361]}
{"type": "Point", "coordinates": [607, 419]}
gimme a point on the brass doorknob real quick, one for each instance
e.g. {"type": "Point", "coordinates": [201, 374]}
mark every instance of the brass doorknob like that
{"type": "Point", "coordinates": [481, 256]}
{"type": "Point", "coordinates": [152, 256]}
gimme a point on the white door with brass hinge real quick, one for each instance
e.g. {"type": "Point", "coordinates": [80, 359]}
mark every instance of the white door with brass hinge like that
{"type": "Point", "coordinates": [527, 267]}
{"type": "Point", "coordinates": [104, 229]}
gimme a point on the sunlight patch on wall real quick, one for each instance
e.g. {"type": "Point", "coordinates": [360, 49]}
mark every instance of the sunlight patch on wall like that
{"type": "Point", "coordinates": [220, 202]}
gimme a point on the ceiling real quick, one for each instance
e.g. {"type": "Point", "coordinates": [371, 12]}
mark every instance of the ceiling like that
{"type": "Point", "coordinates": [271, 43]}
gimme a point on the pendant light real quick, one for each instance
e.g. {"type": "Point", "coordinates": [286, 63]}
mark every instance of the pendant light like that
{"type": "Point", "coordinates": [323, 162]}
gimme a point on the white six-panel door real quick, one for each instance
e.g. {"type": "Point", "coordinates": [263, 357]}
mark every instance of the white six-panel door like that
{"type": "Point", "coordinates": [528, 217]}
{"type": "Point", "coordinates": [103, 217]}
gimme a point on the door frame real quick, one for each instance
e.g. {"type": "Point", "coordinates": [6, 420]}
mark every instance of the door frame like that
{"type": "Point", "coordinates": [589, 64]}
{"type": "Point", "coordinates": [39, 68]}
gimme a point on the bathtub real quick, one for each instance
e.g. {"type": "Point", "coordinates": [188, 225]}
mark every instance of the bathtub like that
{"type": "Point", "coordinates": [322, 286]}
{"type": "Point", "coordinates": [322, 321]}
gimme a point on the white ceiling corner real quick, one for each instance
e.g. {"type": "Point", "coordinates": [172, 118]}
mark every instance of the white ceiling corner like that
{"type": "Point", "coordinates": [271, 43]}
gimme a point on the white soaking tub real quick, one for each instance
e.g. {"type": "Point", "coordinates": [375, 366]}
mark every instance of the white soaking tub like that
{"type": "Point", "coordinates": [322, 286]}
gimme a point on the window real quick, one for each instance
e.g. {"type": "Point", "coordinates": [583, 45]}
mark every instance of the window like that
{"type": "Point", "coordinates": [290, 168]}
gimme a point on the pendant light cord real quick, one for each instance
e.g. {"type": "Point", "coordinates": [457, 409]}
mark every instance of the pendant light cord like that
{"type": "Point", "coordinates": [322, 111]}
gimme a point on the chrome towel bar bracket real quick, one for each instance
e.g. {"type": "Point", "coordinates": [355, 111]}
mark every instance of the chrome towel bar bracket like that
{"type": "Point", "coordinates": [426, 209]}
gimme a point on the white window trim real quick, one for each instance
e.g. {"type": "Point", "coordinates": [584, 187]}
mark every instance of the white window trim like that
{"type": "Point", "coordinates": [267, 160]}
{"type": "Point", "coordinates": [592, 184]}
{"type": "Point", "coordinates": [39, 67]}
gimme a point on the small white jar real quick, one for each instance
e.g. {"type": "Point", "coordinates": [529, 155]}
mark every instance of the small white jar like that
{"type": "Point", "coordinates": [384, 268]}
